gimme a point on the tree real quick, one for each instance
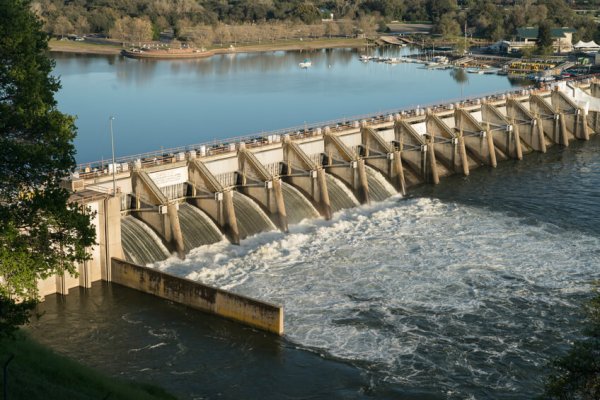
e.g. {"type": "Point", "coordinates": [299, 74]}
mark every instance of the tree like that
{"type": "Point", "coordinates": [577, 374]}
{"type": "Point", "coordinates": [41, 232]}
{"type": "Point", "coordinates": [448, 26]}
{"type": "Point", "coordinates": [544, 39]}
{"type": "Point", "coordinates": [307, 13]}
{"type": "Point", "coordinates": [332, 29]}
{"type": "Point", "coordinates": [62, 26]}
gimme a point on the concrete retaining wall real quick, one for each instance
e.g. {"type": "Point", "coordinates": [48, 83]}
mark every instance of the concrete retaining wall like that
{"type": "Point", "coordinates": [209, 299]}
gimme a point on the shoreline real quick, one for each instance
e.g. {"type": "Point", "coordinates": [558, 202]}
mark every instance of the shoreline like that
{"type": "Point", "coordinates": [57, 46]}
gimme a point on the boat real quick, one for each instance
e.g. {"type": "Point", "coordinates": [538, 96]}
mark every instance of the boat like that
{"type": "Point", "coordinates": [440, 59]}
{"type": "Point", "coordinates": [475, 71]}
{"type": "Point", "coordinates": [305, 64]}
{"type": "Point", "coordinates": [166, 53]}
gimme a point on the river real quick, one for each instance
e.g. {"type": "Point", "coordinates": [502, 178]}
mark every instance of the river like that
{"type": "Point", "coordinates": [464, 290]}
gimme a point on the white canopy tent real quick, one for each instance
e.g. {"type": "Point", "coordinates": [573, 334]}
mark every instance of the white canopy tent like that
{"type": "Point", "coordinates": [586, 45]}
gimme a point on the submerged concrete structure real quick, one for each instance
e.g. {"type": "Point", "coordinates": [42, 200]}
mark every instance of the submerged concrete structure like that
{"type": "Point", "coordinates": [169, 202]}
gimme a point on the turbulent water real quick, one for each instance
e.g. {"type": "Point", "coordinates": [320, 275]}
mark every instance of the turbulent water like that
{"type": "Point", "coordinates": [251, 219]}
{"type": "Point", "coordinates": [340, 196]}
{"type": "Point", "coordinates": [297, 206]}
{"type": "Point", "coordinates": [197, 228]}
{"type": "Point", "coordinates": [140, 244]}
{"type": "Point", "coordinates": [379, 188]}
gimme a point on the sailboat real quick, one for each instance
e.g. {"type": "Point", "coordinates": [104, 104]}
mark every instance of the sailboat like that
{"type": "Point", "coordinates": [305, 64]}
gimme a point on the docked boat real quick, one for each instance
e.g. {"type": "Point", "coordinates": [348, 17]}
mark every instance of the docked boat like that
{"type": "Point", "coordinates": [166, 53]}
{"type": "Point", "coordinates": [475, 71]}
{"type": "Point", "coordinates": [305, 64]}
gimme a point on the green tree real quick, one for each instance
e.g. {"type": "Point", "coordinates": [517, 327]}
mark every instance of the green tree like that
{"type": "Point", "coordinates": [544, 39]}
{"type": "Point", "coordinates": [41, 233]}
{"type": "Point", "coordinates": [577, 374]}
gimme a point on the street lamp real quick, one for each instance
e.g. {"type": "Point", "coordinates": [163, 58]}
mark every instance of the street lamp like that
{"type": "Point", "coordinates": [112, 143]}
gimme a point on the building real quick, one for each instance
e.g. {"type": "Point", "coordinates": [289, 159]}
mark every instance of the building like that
{"type": "Point", "coordinates": [527, 37]}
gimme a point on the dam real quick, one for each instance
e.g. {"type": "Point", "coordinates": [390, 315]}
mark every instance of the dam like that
{"type": "Point", "coordinates": [172, 201]}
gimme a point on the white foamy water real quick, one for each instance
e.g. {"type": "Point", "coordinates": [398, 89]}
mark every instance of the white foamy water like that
{"type": "Point", "coordinates": [418, 292]}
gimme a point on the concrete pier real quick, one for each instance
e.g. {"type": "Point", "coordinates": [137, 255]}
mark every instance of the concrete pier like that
{"type": "Point", "coordinates": [255, 313]}
{"type": "Point", "coordinates": [208, 194]}
{"type": "Point", "coordinates": [346, 165]}
{"type": "Point", "coordinates": [307, 176]}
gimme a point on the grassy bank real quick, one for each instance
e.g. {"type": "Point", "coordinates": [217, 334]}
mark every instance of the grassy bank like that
{"type": "Point", "coordinates": [69, 46]}
{"type": "Point", "coordinates": [38, 373]}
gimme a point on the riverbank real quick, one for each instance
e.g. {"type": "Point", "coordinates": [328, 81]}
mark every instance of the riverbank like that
{"type": "Point", "coordinates": [36, 372]}
{"type": "Point", "coordinates": [68, 46]}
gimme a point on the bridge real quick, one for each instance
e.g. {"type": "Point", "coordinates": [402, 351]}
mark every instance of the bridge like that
{"type": "Point", "coordinates": [172, 201]}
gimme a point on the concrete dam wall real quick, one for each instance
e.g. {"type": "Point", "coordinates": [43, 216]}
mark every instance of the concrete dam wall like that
{"type": "Point", "coordinates": [170, 203]}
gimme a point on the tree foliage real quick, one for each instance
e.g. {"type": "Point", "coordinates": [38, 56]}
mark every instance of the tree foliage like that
{"type": "Point", "coordinates": [544, 39]}
{"type": "Point", "coordinates": [577, 374]}
{"type": "Point", "coordinates": [491, 19]}
{"type": "Point", "coordinates": [41, 233]}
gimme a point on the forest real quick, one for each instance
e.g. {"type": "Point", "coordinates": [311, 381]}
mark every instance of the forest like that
{"type": "Point", "coordinates": [208, 22]}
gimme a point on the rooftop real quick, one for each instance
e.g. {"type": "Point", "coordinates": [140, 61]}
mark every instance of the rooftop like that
{"type": "Point", "coordinates": [532, 32]}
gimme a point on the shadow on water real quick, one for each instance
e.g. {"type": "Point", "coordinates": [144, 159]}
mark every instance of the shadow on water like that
{"type": "Point", "coordinates": [561, 187]}
{"type": "Point", "coordinates": [191, 354]}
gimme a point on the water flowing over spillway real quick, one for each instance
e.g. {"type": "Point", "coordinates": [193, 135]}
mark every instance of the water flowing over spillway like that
{"type": "Point", "coordinates": [197, 228]}
{"type": "Point", "coordinates": [297, 206]}
{"type": "Point", "coordinates": [339, 195]}
{"type": "Point", "coordinates": [379, 188]}
{"type": "Point", "coordinates": [140, 244]}
{"type": "Point", "coordinates": [251, 219]}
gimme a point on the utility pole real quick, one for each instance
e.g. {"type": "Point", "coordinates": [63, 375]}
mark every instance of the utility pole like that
{"type": "Point", "coordinates": [114, 167]}
{"type": "Point", "coordinates": [465, 35]}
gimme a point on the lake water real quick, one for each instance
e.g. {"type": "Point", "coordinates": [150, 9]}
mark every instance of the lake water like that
{"type": "Point", "coordinates": [167, 104]}
{"type": "Point", "coordinates": [464, 290]}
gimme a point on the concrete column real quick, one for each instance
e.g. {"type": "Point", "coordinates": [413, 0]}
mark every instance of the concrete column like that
{"type": "Point", "coordinates": [85, 274]}
{"type": "Point", "coordinates": [176, 235]}
{"type": "Point", "coordinates": [581, 126]}
{"type": "Point", "coordinates": [230, 225]}
{"type": "Point", "coordinates": [540, 132]}
{"type": "Point", "coordinates": [399, 173]}
{"type": "Point", "coordinates": [112, 234]}
{"type": "Point", "coordinates": [324, 194]}
{"type": "Point", "coordinates": [435, 178]}
{"type": "Point", "coordinates": [491, 148]}
{"type": "Point", "coordinates": [517, 140]}
{"type": "Point", "coordinates": [363, 183]}
{"type": "Point", "coordinates": [564, 135]}
{"type": "Point", "coordinates": [61, 285]}
{"type": "Point", "coordinates": [463, 154]}
{"type": "Point", "coordinates": [586, 130]}
{"type": "Point", "coordinates": [281, 213]}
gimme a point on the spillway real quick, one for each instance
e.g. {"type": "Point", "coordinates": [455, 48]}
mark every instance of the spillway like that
{"type": "Point", "coordinates": [297, 206]}
{"type": "Point", "coordinates": [339, 194]}
{"type": "Point", "coordinates": [379, 188]}
{"type": "Point", "coordinates": [140, 244]}
{"type": "Point", "coordinates": [197, 228]}
{"type": "Point", "coordinates": [251, 219]}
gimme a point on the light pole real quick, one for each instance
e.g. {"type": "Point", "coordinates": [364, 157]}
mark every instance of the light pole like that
{"type": "Point", "coordinates": [114, 167]}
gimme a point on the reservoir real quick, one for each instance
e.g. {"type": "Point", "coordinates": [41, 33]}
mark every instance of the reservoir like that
{"type": "Point", "coordinates": [464, 290]}
{"type": "Point", "coordinates": [166, 104]}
